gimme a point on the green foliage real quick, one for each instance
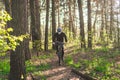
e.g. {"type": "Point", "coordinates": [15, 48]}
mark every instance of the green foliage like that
{"type": "Point", "coordinates": [4, 67]}
{"type": "Point", "coordinates": [100, 68]}
{"type": "Point", "coordinates": [43, 77]}
{"type": "Point", "coordinates": [69, 61]}
{"type": "Point", "coordinates": [115, 53]}
{"type": "Point", "coordinates": [4, 17]}
{"type": "Point", "coordinates": [102, 49]}
{"type": "Point", "coordinates": [34, 68]}
{"type": "Point", "coordinates": [101, 65]}
{"type": "Point", "coordinates": [43, 67]}
{"type": "Point", "coordinates": [45, 56]}
{"type": "Point", "coordinates": [7, 41]}
{"type": "Point", "coordinates": [85, 62]}
{"type": "Point", "coordinates": [77, 65]}
{"type": "Point", "coordinates": [37, 45]}
{"type": "Point", "coordinates": [30, 68]}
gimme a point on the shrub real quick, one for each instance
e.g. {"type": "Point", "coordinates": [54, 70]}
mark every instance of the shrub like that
{"type": "Point", "coordinates": [7, 41]}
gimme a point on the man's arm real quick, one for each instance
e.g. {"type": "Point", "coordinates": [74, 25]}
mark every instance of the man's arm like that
{"type": "Point", "coordinates": [54, 37]}
{"type": "Point", "coordinates": [65, 37]}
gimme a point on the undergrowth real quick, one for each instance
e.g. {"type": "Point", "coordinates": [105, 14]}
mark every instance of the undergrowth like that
{"type": "Point", "coordinates": [102, 65]}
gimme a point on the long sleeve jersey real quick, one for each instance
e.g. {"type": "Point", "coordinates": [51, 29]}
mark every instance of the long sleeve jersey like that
{"type": "Point", "coordinates": [59, 37]}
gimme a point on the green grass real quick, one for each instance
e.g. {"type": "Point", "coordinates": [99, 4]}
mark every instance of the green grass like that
{"type": "Point", "coordinates": [114, 54]}
{"type": "Point", "coordinates": [37, 70]}
{"type": "Point", "coordinates": [3, 79]}
{"type": "Point", "coordinates": [100, 66]}
{"type": "Point", "coordinates": [30, 67]}
{"type": "Point", "coordinates": [102, 49]}
{"type": "Point", "coordinates": [103, 67]}
{"type": "Point", "coordinates": [4, 67]}
{"type": "Point", "coordinates": [77, 65]}
{"type": "Point", "coordinates": [45, 56]}
{"type": "Point", "coordinates": [69, 61]}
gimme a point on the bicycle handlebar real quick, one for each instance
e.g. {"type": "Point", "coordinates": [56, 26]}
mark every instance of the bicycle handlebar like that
{"type": "Point", "coordinates": [59, 43]}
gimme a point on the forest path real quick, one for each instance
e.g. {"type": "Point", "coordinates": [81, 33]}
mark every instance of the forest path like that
{"type": "Point", "coordinates": [56, 72]}
{"type": "Point", "coordinates": [62, 72]}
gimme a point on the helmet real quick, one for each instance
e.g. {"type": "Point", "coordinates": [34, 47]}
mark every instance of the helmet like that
{"type": "Point", "coordinates": [59, 30]}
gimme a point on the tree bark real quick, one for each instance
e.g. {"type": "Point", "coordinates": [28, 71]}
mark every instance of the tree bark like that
{"type": "Point", "coordinates": [106, 21]}
{"type": "Point", "coordinates": [111, 20]}
{"type": "Point", "coordinates": [119, 30]}
{"type": "Point", "coordinates": [89, 24]}
{"type": "Point", "coordinates": [27, 50]}
{"type": "Point", "coordinates": [37, 23]}
{"type": "Point", "coordinates": [32, 13]}
{"type": "Point", "coordinates": [70, 19]}
{"type": "Point", "coordinates": [58, 2]}
{"type": "Point", "coordinates": [7, 6]}
{"type": "Point", "coordinates": [8, 9]}
{"type": "Point", "coordinates": [117, 35]}
{"type": "Point", "coordinates": [94, 23]}
{"type": "Point", "coordinates": [102, 21]}
{"type": "Point", "coordinates": [74, 26]}
{"type": "Point", "coordinates": [17, 57]}
{"type": "Point", "coordinates": [46, 27]}
{"type": "Point", "coordinates": [82, 34]}
{"type": "Point", "coordinates": [53, 21]}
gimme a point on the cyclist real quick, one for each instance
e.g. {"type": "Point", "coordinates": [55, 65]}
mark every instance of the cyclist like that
{"type": "Point", "coordinates": [60, 37]}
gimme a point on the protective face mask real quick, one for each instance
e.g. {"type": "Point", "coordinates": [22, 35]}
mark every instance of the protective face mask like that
{"type": "Point", "coordinates": [59, 32]}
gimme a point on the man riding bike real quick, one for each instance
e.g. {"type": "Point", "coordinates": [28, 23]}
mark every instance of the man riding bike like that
{"type": "Point", "coordinates": [59, 36]}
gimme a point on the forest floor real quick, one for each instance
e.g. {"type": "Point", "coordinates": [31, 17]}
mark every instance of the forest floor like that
{"type": "Point", "coordinates": [57, 72]}
{"type": "Point", "coordinates": [63, 72]}
{"type": "Point", "coordinates": [99, 63]}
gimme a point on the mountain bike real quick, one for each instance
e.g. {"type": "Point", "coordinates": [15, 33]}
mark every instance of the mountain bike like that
{"type": "Point", "coordinates": [59, 51]}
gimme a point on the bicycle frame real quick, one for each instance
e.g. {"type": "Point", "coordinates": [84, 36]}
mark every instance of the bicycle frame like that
{"type": "Point", "coordinates": [59, 50]}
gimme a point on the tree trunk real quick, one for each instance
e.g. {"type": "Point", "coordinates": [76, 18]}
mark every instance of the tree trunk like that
{"type": "Point", "coordinates": [74, 26]}
{"type": "Point", "coordinates": [46, 27]}
{"type": "Point", "coordinates": [94, 24]}
{"type": "Point", "coordinates": [37, 23]}
{"type": "Point", "coordinates": [89, 24]}
{"type": "Point", "coordinates": [32, 12]}
{"type": "Point", "coordinates": [70, 19]}
{"type": "Point", "coordinates": [119, 30]}
{"type": "Point", "coordinates": [106, 21]}
{"type": "Point", "coordinates": [27, 50]}
{"type": "Point", "coordinates": [7, 6]}
{"type": "Point", "coordinates": [8, 9]}
{"type": "Point", "coordinates": [58, 13]}
{"type": "Point", "coordinates": [53, 21]}
{"type": "Point", "coordinates": [37, 19]}
{"type": "Point", "coordinates": [111, 20]}
{"type": "Point", "coordinates": [82, 34]}
{"type": "Point", "coordinates": [17, 57]}
{"type": "Point", "coordinates": [102, 22]}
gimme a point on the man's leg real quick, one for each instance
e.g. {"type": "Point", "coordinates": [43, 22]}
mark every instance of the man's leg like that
{"type": "Point", "coordinates": [56, 48]}
{"type": "Point", "coordinates": [59, 60]}
{"type": "Point", "coordinates": [62, 53]}
{"type": "Point", "coordinates": [57, 55]}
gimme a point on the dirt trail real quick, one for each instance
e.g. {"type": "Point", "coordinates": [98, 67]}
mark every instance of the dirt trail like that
{"type": "Point", "coordinates": [59, 72]}
{"type": "Point", "coordinates": [62, 72]}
